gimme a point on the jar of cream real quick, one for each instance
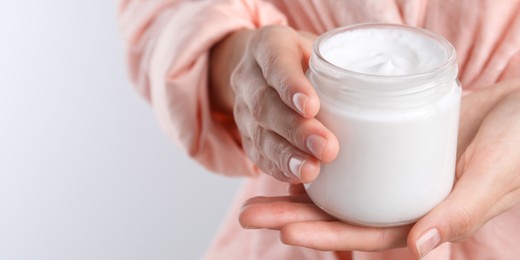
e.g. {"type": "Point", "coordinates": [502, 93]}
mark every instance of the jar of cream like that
{"type": "Point", "coordinates": [391, 96]}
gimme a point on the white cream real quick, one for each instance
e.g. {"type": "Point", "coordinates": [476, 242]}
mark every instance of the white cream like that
{"type": "Point", "coordinates": [397, 134]}
{"type": "Point", "coordinates": [385, 52]}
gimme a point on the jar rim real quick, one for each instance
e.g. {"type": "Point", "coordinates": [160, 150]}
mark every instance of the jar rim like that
{"type": "Point", "coordinates": [451, 54]}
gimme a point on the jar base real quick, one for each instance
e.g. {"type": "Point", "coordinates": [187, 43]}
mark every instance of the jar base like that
{"type": "Point", "coordinates": [368, 224]}
{"type": "Point", "coordinates": [378, 225]}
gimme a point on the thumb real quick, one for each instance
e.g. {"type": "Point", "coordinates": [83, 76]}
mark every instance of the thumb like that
{"type": "Point", "coordinates": [455, 219]}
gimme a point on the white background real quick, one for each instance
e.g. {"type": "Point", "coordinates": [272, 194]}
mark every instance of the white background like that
{"type": "Point", "coordinates": [85, 172]}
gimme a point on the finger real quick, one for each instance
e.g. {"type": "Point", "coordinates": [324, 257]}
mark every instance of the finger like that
{"type": "Point", "coordinates": [278, 53]}
{"type": "Point", "coordinates": [287, 158]}
{"type": "Point", "coordinates": [307, 134]}
{"type": "Point", "coordinates": [302, 198]}
{"type": "Point", "coordinates": [252, 144]}
{"type": "Point", "coordinates": [277, 213]}
{"type": "Point", "coordinates": [339, 236]}
{"type": "Point", "coordinates": [264, 164]}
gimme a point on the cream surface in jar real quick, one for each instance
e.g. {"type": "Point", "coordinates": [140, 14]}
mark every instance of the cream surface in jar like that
{"type": "Point", "coordinates": [390, 95]}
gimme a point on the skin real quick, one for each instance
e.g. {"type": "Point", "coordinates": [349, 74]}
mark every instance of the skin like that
{"type": "Point", "coordinates": [255, 75]}
{"type": "Point", "coordinates": [258, 88]}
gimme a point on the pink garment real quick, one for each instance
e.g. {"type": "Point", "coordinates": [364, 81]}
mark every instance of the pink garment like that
{"type": "Point", "coordinates": [168, 46]}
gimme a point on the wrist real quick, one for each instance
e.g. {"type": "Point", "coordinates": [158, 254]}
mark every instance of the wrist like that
{"type": "Point", "coordinates": [224, 57]}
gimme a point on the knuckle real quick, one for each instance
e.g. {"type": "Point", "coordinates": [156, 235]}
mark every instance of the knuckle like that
{"type": "Point", "coordinates": [270, 65]}
{"type": "Point", "coordinates": [285, 83]}
{"type": "Point", "coordinates": [279, 154]}
{"type": "Point", "coordinates": [259, 102]}
{"type": "Point", "coordinates": [271, 58]}
{"type": "Point", "coordinates": [462, 225]}
{"type": "Point", "coordinates": [258, 136]}
{"type": "Point", "coordinates": [387, 238]}
{"type": "Point", "coordinates": [281, 82]}
{"type": "Point", "coordinates": [276, 150]}
{"type": "Point", "coordinates": [384, 241]}
{"type": "Point", "coordinates": [275, 75]}
{"type": "Point", "coordinates": [270, 168]}
{"type": "Point", "coordinates": [283, 152]}
{"type": "Point", "coordinates": [291, 129]}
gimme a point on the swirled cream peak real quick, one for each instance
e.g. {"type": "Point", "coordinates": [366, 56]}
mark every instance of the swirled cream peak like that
{"type": "Point", "coordinates": [383, 51]}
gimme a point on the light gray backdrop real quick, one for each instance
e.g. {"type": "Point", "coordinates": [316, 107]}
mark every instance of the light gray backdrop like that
{"type": "Point", "coordinates": [85, 172]}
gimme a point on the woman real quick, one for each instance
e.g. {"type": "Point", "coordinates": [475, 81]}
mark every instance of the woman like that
{"type": "Point", "coordinates": [226, 79]}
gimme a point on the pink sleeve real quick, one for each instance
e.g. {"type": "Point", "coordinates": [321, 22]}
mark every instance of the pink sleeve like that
{"type": "Point", "coordinates": [168, 44]}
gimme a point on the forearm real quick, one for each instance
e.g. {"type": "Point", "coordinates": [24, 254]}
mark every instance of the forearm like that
{"type": "Point", "coordinates": [223, 59]}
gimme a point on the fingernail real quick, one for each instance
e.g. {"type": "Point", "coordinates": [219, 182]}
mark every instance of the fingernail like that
{"type": "Point", "coordinates": [300, 100]}
{"type": "Point", "coordinates": [427, 242]}
{"type": "Point", "coordinates": [295, 165]}
{"type": "Point", "coordinates": [315, 144]}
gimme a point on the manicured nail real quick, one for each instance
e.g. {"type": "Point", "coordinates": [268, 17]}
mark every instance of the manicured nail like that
{"type": "Point", "coordinates": [315, 144]}
{"type": "Point", "coordinates": [295, 165]}
{"type": "Point", "coordinates": [427, 242]}
{"type": "Point", "coordinates": [300, 100]}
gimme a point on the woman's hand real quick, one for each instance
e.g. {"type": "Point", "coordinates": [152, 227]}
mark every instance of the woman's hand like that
{"type": "Point", "coordinates": [488, 174]}
{"type": "Point", "coordinates": [274, 104]}
{"type": "Point", "coordinates": [488, 184]}
{"type": "Point", "coordinates": [302, 223]}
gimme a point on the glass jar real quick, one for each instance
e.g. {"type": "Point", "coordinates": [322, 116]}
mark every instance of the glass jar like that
{"type": "Point", "coordinates": [397, 136]}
